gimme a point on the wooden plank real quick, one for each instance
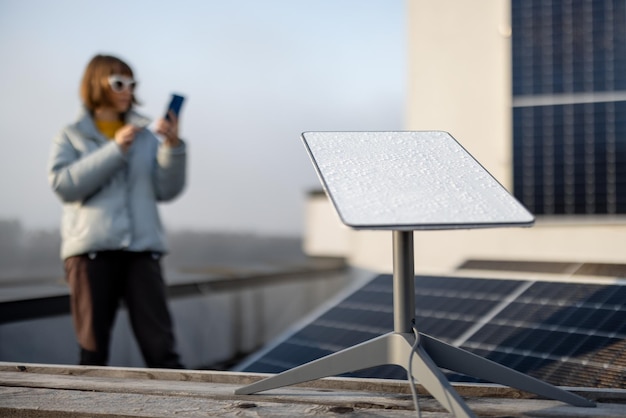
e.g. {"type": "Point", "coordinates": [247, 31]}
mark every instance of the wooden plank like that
{"type": "Point", "coordinates": [77, 391]}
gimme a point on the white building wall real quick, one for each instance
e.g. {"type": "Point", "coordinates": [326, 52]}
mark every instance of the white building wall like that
{"type": "Point", "coordinates": [458, 76]}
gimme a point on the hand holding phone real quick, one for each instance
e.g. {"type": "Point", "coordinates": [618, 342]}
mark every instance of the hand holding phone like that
{"type": "Point", "coordinates": [176, 103]}
{"type": "Point", "coordinates": [168, 128]}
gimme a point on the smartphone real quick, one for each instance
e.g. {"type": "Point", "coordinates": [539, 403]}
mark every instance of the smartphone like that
{"type": "Point", "coordinates": [175, 105]}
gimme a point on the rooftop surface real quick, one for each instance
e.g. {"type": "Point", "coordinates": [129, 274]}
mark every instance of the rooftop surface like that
{"type": "Point", "coordinates": [35, 390]}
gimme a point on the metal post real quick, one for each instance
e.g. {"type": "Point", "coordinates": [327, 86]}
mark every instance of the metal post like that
{"type": "Point", "coordinates": [403, 282]}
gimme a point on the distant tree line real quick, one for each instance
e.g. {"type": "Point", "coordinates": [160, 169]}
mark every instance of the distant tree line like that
{"type": "Point", "coordinates": [35, 253]}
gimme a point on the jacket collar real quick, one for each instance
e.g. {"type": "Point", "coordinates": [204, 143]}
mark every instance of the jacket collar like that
{"type": "Point", "coordinates": [86, 124]}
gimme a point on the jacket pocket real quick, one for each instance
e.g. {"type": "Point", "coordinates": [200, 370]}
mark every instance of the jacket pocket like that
{"type": "Point", "coordinates": [74, 223]}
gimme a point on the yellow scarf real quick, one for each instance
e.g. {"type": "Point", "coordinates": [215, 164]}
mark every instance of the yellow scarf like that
{"type": "Point", "coordinates": [109, 127]}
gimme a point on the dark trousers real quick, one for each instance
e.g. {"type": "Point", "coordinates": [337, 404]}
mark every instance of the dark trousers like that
{"type": "Point", "coordinates": [98, 283]}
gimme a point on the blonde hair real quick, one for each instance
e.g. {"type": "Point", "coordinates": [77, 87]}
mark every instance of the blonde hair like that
{"type": "Point", "coordinates": [94, 88]}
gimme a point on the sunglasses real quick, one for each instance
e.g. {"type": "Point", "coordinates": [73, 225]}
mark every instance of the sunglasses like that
{"type": "Point", "coordinates": [119, 83]}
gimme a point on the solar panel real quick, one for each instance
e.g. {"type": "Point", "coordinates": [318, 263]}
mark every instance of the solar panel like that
{"type": "Point", "coordinates": [567, 334]}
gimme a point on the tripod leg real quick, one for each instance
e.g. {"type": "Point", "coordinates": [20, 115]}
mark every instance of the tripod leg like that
{"type": "Point", "coordinates": [370, 353]}
{"type": "Point", "coordinates": [459, 360]}
{"type": "Point", "coordinates": [428, 374]}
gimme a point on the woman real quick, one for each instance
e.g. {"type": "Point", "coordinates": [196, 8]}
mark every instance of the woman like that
{"type": "Point", "coordinates": [110, 171]}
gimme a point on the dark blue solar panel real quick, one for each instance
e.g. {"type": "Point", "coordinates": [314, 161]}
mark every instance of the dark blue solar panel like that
{"type": "Point", "coordinates": [563, 333]}
{"type": "Point", "coordinates": [445, 329]}
{"type": "Point", "coordinates": [379, 319]}
{"type": "Point", "coordinates": [611, 295]}
{"type": "Point", "coordinates": [557, 49]}
{"type": "Point", "coordinates": [552, 292]}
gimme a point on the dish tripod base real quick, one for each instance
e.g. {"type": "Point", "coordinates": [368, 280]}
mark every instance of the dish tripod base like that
{"type": "Point", "coordinates": [429, 356]}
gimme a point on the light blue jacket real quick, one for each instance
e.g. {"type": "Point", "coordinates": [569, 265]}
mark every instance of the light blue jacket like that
{"type": "Point", "coordinates": [110, 197]}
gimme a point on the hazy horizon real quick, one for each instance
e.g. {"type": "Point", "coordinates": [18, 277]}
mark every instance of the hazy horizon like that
{"type": "Point", "coordinates": [32, 256]}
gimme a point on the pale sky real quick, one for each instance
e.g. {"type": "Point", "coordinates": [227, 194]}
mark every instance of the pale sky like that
{"type": "Point", "coordinates": [256, 75]}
